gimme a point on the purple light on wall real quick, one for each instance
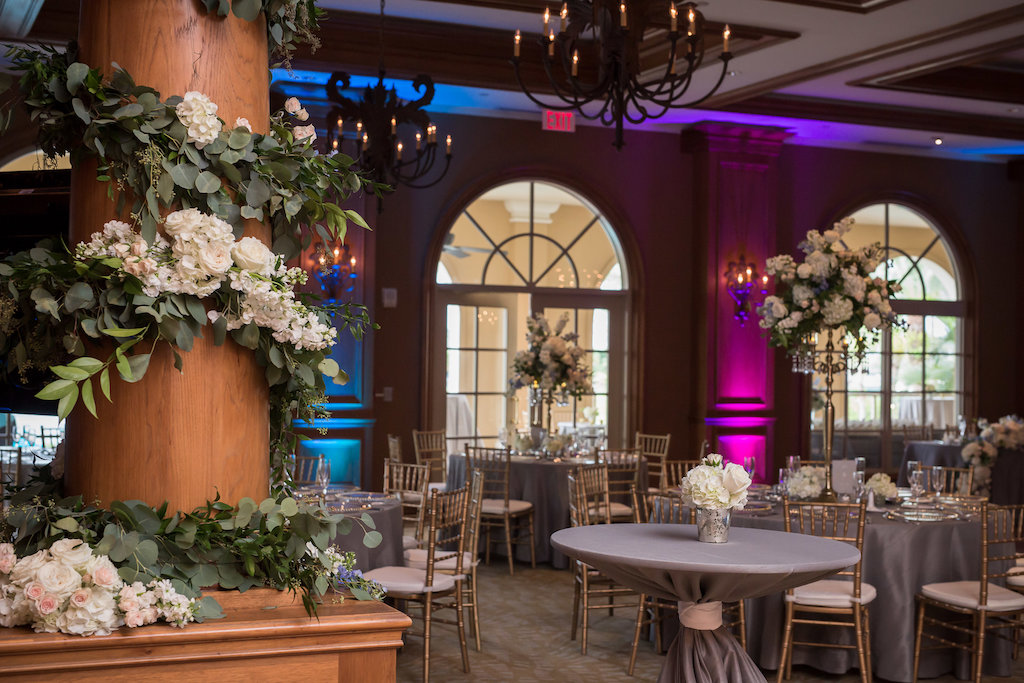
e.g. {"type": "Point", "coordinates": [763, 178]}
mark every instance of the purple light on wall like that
{"type": "Point", "coordinates": [736, 447]}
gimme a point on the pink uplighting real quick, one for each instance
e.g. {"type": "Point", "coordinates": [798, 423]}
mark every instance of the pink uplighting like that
{"type": "Point", "coordinates": [736, 447]}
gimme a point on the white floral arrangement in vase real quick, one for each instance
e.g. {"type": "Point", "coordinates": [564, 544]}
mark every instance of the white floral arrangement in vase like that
{"type": "Point", "coordinates": [806, 483]}
{"type": "Point", "coordinates": [69, 589]}
{"type": "Point", "coordinates": [980, 452]}
{"type": "Point", "coordinates": [552, 361]}
{"type": "Point", "coordinates": [832, 288]}
{"type": "Point", "coordinates": [882, 486]}
{"type": "Point", "coordinates": [713, 485]}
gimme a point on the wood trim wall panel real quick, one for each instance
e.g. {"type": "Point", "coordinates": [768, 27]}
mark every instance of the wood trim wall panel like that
{"type": "Point", "coordinates": [977, 24]}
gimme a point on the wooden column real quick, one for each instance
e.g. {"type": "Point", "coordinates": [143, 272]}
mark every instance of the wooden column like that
{"type": "Point", "coordinates": [181, 437]}
{"type": "Point", "coordinates": [736, 215]}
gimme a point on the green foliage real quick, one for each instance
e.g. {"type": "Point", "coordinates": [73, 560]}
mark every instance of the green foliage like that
{"type": "Point", "coordinates": [78, 320]}
{"type": "Point", "coordinates": [289, 22]}
{"type": "Point", "coordinates": [142, 152]}
{"type": "Point", "coordinates": [241, 547]}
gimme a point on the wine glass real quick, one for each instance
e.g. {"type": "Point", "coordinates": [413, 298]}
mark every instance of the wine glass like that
{"type": "Point", "coordinates": [858, 485]}
{"type": "Point", "coordinates": [937, 480]}
{"type": "Point", "coordinates": [793, 463]}
{"type": "Point", "coordinates": [861, 464]}
{"type": "Point", "coordinates": [750, 464]}
{"type": "Point", "coordinates": [916, 484]}
{"type": "Point", "coordinates": [783, 478]}
{"type": "Point", "coordinates": [323, 476]}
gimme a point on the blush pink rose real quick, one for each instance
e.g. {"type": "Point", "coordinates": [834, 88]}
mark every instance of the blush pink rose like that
{"type": "Point", "coordinates": [81, 597]}
{"type": "Point", "coordinates": [47, 604]}
{"type": "Point", "coordinates": [129, 605]}
{"type": "Point", "coordinates": [105, 576]}
{"type": "Point", "coordinates": [134, 619]}
{"type": "Point", "coordinates": [7, 563]}
{"type": "Point", "coordinates": [150, 614]}
{"type": "Point", "coordinates": [34, 590]}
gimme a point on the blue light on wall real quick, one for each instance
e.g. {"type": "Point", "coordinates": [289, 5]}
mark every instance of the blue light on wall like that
{"type": "Point", "coordinates": [343, 454]}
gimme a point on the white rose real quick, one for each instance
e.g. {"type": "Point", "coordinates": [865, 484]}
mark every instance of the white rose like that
{"type": "Point", "coordinates": [243, 123]}
{"type": "Point", "coordinates": [302, 114]}
{"type": "Point", "coordinates": [59, 579]}
{"type": "Point", "coordinates": [182, 223]}
{"type": "Point", "coordinates": [831, 236]}
{"type": "Point", "coordinates": [249, 253]}
{"type": "Point", "coordinates": [292, 105]}
{"type": "Point", "coordinates": [27, 567]}
{"type": "Point", "coordinates": [804, 271]}
{"type": "Point", "coordinates": [71, 551]}
{"type": "Point", "coordinates": [104, 573]}
{"type": "Point", "coordinates": [735, 478]}
{"type": "Point", "coordinates": [215, 258]}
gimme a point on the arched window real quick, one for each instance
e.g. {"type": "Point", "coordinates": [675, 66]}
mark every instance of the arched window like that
{"type": "Point", "coordinates": [913, 383]}
{"type": "Point", "coordinates": [523, 247]}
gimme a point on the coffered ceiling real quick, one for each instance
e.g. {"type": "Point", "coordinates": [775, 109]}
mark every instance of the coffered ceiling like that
{"type": "Point", "coordinates": [879, 74]}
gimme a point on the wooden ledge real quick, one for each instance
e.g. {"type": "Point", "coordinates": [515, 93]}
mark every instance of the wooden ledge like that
{"type": "Point", "coordinates": [349, 641]}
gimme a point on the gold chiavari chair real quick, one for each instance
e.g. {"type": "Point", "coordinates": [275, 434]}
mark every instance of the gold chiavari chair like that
{"type": "Point", "coordinates": [955, 480]}
{"type": "Point", "coordinates": [662, 508]}
{"type": "Point", "coordinates": [429, 587]}
{"type": "Point", "coordinates": [431, 449]}
{"type": "Point", "coordinates": [417, 557]}
{"type": "Point", "coordinates": [589, 585]}
{"type": "Point", "coordinates": [1015, 577]}
{"type": "Point", "coordinates": [654, 449]}
{"type": "Point", "coordinates": [623, 467]}
{"type": "Point", "coordinates": [829, 597]}
{"type": "Point", "coordinates": [675, 471]}
{"type": "Point", "coordinates": [304, 472]}
{"type": "Point", "coordinates": [971, 609]}
{"type": "Point", "coordinates": [515, 517]}
{"type": "Point", "coordinates": [409, 481]}
{"type": "Point", "coordinates": [394, 448]}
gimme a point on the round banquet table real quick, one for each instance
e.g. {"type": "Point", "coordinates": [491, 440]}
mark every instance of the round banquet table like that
{"type": "Point", "coordinates": [667, 561]}
{"type": "Point", "coordinates": [1007, 486]}
{"type": "Point", "coordinates": [387, 517]}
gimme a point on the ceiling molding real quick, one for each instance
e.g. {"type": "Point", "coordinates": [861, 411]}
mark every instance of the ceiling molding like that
{"type": "Point", "coordinates": [978, 24]}
{"type": "Point", "coordinates": [963, 74]}
{"type": "Point", "coordinates": [860, 113]}
{"type": "Point", "coordinates": [858, 6]}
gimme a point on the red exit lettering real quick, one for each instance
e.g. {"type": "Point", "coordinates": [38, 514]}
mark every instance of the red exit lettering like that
{"type": "Point", "coordinates": [559, 121]}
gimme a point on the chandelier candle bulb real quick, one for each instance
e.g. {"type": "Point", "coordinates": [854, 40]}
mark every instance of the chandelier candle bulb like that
{"type": "Point", "coordinates": [692, 28]}
{"type": "Point", "coordinates": [394, 125]}
{"type": "Point", "coordinates": [398, 151]}
{"type": "Point", "coordinates": [725, 38]}
{"type": "Point", "coordinates": [622, 15]}
{"type": "Point", "coordinates": [565, 16]}
{"type": "Point", "coordinates": [551, 44]}
{"type": "Point", "coordinates": [515, 49]}
{"type": "Point", "coordinates": [673, 17]}
{"type": "Point", "coordinates": [575, 62]}
{"type": "Point", "coordinates": [419, 139]}
{"type": "Point", "coordinates": [448, 145]}
{"type": "Point", "coordinates": [547, 18]}
{"type": "Point", "coordinates": [359, 128]}
{"type": "Point", "coordinates": [366, 140]}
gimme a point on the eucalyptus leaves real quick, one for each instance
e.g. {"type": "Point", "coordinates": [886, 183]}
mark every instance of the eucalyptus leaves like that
{"type": "Point", "coordinates": [144, 151]}
{"type": "Point", "coordinates": [289, 22]}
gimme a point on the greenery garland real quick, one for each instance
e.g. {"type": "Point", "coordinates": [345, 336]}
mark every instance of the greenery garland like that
{"type": "Point", "coordinates": [279, 542]}
{"type": "Point", "coordinates": [289, 22]}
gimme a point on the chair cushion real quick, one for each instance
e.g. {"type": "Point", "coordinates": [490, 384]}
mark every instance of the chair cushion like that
{"type": "Point", "coordinates": [617, 510]}
{"type": "Point", "coordinates": [411, 497]}
{"type": "Point", "coordinates": [1016, 579]}
{"type": "Point", "coordinates": [831, 593]}
{"type": "Point", "coordinates": [417, 557]}
{"type": "Point", "coordinates": [438, 486]}
{"type": "Point", "coordinates": [409, 580]}
{"type": "Point", "coordinates": [496, 506]}
{"type": "Point", "coordinates": [409, 542]}
{"type": "Point", "coordinates": [965, 594]}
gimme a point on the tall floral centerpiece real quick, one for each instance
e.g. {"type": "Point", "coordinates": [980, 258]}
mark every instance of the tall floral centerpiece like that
{"type": "Point", "coordinates": [551, 367]}
{"type": "Point", "coordinates": [715, 489]}
{"type": "Point", "coordinates": [832, 291]}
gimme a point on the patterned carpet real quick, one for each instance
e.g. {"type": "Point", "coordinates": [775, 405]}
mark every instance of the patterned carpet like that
{"type": "Point", "coordinates": [525, 622]}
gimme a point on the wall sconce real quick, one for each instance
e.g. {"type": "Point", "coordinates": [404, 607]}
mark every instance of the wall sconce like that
{"type": "Point", "coordinates": [335, 270]}
{"type": "Point", "coordinates": [739, 282]}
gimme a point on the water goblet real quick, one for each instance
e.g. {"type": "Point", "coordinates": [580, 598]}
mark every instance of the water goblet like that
{"type": "Point", "coordinates": [916, 484]}
{"type": "Point", "coordinates": [858, 485]}
{"type": "Point", "coordinates": [937, 480]}
{"type": "Point", "coordinates": [750, 464]}
{"type": "Point", "coordinates": [860, 464]}
{"type": "Point", "coordinates": [323, 476]}
{"type": "Point", "coordinates": [793, 463]}
{"type": "Point", "coordinates": [782, 488]}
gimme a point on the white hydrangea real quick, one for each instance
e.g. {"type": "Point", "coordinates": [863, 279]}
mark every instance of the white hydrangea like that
{"type": "Point", "coordinates": [199, 115]}
{"type": "Point", "coordinates": [837, 310]}
{"type": "Point", "coordinates": [882, 486]}
{"type": "Point", "coordinates": [807, 482]}
{"type": "Point", "coordinates": [712, 486]}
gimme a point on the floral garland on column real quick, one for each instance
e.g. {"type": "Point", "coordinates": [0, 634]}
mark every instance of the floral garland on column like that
{"type": "Point", "coordinates": [75, 568]}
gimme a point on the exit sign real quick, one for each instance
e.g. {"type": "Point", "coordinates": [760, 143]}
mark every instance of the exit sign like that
{"type": "Point", "coordinates": [559, 121]}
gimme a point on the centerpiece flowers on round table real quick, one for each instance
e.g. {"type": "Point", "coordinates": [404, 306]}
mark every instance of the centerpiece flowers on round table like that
{"type": "Point", "coordinates": [981, 451]}
{"type": "Point", "coordinates": [715, 489]}
{"type": "Point", "coordinates": [833, 287]}
{"type": "Point", "coordinates": [551, 362]}
{"type": "Point", "coordinates": [806, 483]}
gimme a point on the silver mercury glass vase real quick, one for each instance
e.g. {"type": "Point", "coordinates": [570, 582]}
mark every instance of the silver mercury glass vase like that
{"type": "Point", "coordinates": [713, 525]}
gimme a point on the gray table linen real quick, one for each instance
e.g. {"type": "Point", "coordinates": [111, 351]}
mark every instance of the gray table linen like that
{"type": "Point", "coordinates": [387, 517]}
{"type": "Point", "coordinates": [1007, 474]}
{"type": "Point", "coordinates": [667, 561]}
{"type": "Point", "coordinates": [899, 558]}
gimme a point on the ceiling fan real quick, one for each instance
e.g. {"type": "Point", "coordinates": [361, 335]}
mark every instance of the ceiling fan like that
{"type": "Point", "coordinates": [462, 252]}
